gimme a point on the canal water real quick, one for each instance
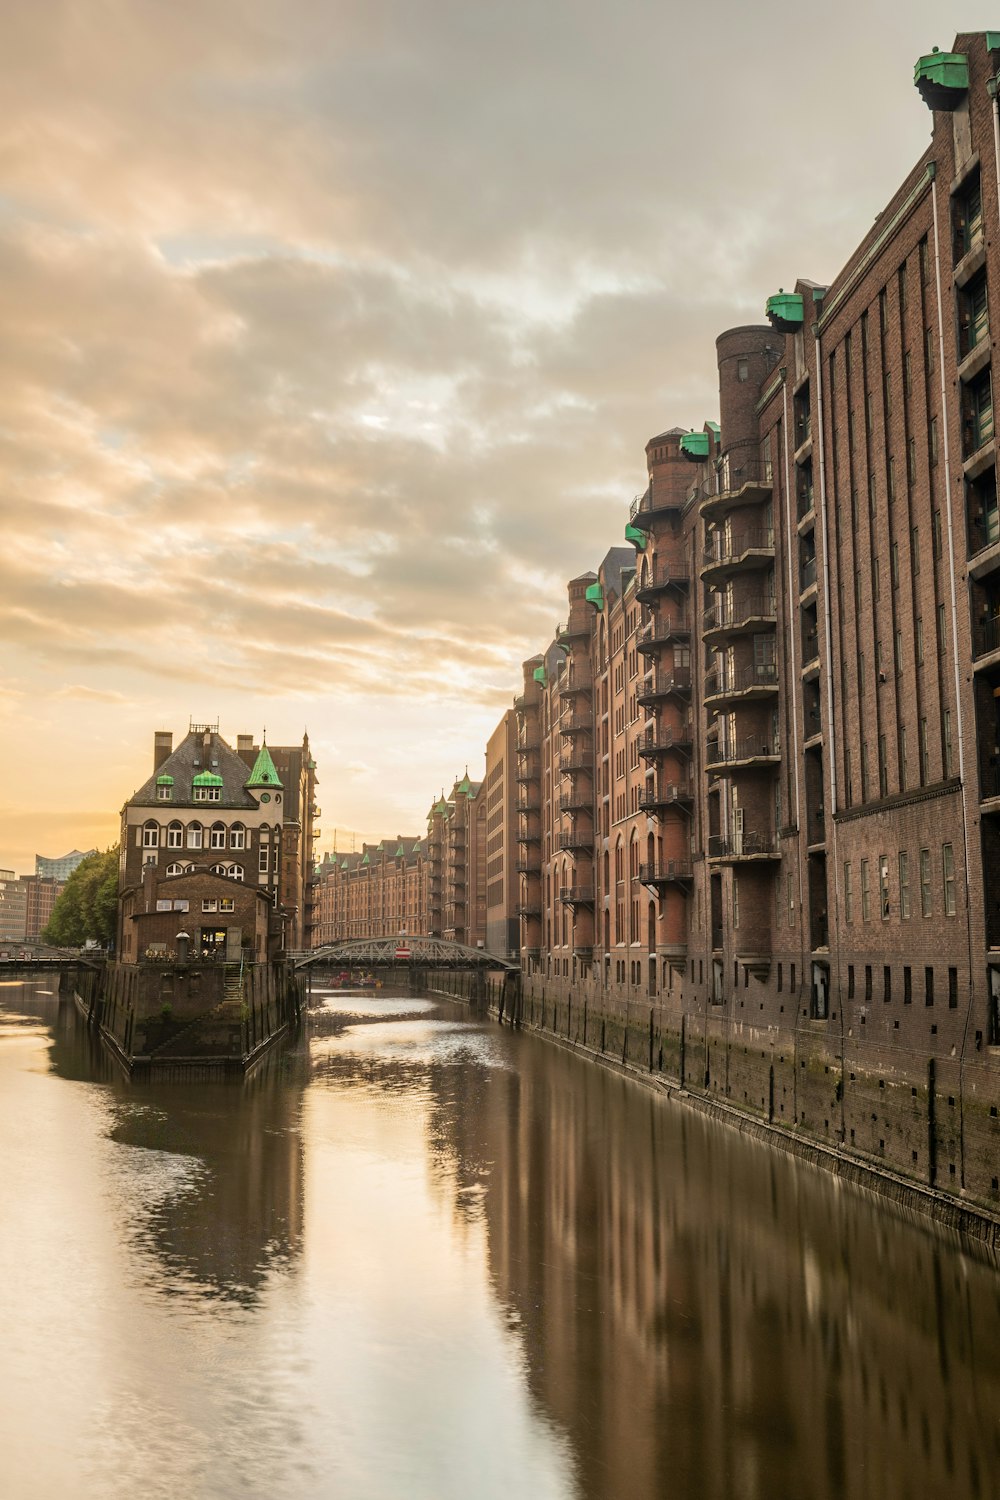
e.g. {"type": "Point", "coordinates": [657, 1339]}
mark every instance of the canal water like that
{"type": "Point", "coordinates": [423, 1256]}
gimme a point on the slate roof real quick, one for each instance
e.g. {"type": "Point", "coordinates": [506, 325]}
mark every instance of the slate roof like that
{"type": "Point", "coordinates": [191, 758]}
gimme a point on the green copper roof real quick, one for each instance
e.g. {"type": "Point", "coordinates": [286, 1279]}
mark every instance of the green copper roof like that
{"type": "Point", "coordinates": [564, 647]}
{"type": "Point", "coordinates": [715, 427]}
{"type": "Point", "coordinates": [366, 858]}
{"type": "Point", "coordinates": [539, 675]}
{"type": "Point", "coordinates": [310, 765]}
{"type": "Point", "coordinates": [465, 785]}
{"type": "Point", "coordinates": [264, 773]}
{"type": "Point", "coordinates": [694, 445]}
{"type": "Point", "coordinates": [400, 853]}
{"type": "Point", "coordinates": [595, 595]}
{"type": "Point", "coordinates": [941, 78]}
{"type": "Point", "coordinates": [206, 778]}
{"type": "Point", "coordinates": [785, 311]}
{"type": "Point", "coordinates": [636, 536]}
{"type": "Point", "coordinates": [164, 781]}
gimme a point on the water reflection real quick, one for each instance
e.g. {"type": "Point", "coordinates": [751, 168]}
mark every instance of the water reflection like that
{"type": "Point", "coordinates": [421, 1256]}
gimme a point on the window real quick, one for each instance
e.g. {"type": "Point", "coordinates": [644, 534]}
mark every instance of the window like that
{"type": "Point", "coordinates": [949, 769]}
{"type": "Point", "coordinates": [217, 836]}
{"type": "Point", "coordinates": [883, 886]}
{"type": "Point", "coordinates": [920, 641]}
{"type": "Point", "coordinates": [850, 981]}
{"type": "Point", "coordinates": [175, 869]}
{"type": "Point", "coordinates": [904, 885]}
{"type": "Point", "coordinates": [150, 836]}
{"type": "Point", "coordinates": [929, 985]}
{"type": "Point", "coordinates": [868, 981]}
{"type": "Point", "coordinates": [865, 894]}
{"type": "Point", "coordinates": [952, 989]}
{"type": "Point", "coordinates": [925, 883]}
{"type": "Point", "coordinates": [175, 836]}
{"type": "Point", "coordinates": [848, 893]}
{"type": "Point", "coordinates": [194, 835]}
{"type": "Point", "coordinates": [948, 878]}
{"type": "Point", "coordinates": [967, 219]}
{"type": "Point", "coordinates": [226, 903]}
{"type": "Point", "coordinates": [235, 872]}
{"type": "Point", "coordinates": [883, 768]}
{"type": "Point", "coordinates": [977, 413]}
{"type": "Point", "coordinates": [904, 776]}
{"type": "Point", "coordinates": [164, 793]}
{"type": "Point", "coordinates": [237, 836]}
{"type": "Point", "coordinates": [207, 794]}
{"type": "Point", "coordinates": [209, 905]}
{"type": "Point", "coordinates": [907, 985]}
{"type": "Point", "coordinates": [973, 316]}
{"type": "Point", "coordinates": [742, 369]}
{"type": "Point", "coordinates": [219, 870]}
{"type": "Point", "coordinates": [263, 859]}
{"type": "Point", "coordinates": [886, 984]}
{"type": "Point", "coordinates": [940, 630]}
{"type": "Point", "coordinates": [925, 764]}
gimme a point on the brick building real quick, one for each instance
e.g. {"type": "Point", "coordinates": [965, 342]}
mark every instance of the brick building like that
{"type": "Point", "coordinates": [759, 768]}
{"type": "Point", "coordinates": [500, 792]}
{"type": "Point", "coordinates": [209, 808]}
{"type": "Point", "coordinates": [377, 891]}
{"type": "Point", "coordinates": [26, 904]}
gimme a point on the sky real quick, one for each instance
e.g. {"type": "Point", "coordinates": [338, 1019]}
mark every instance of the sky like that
{"type": "Point", "coordinates": [332, 334]}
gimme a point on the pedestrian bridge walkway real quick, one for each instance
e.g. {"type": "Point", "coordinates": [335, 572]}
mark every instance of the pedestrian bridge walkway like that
{"type": "Point", "coordinates": [402, 953]}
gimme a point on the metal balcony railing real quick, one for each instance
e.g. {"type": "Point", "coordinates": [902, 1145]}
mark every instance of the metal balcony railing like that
{"type": "Point", "coordinates": [744, 846]}
{"type": "Point", "coordinates": [741, 679]}
{"type": "Point", "coordinates": [664, 794]}
{"type": "Point", "coordinates": [986, 635]}
{"type": "Point", "coordinates": [741, 468]}
{"type": "Point", "coordinates": [664, 683]}
{"type": "Point", "coordinates": [576, 803]}
{"type": "Point", "coordinates": [666, 627]}
{"type": "Point", "coordinates": [724, 548]}
{"type": "Point", "coordinates": [807, 575]}
{"type": "Point", "coordinates": [662, 576]}
{"type": "Point", "coordinates": [577, 895]}
{"type": "Point", "coordinates": [752, 747]}
{"type": "Point", "coordinates": [654, 741]}
{"type": "Point", "coordinates": [575, 681]}
{"type": "Point", "coordinates": [731, 614]}
{"type": "Point", "coordinates": [666, 872]}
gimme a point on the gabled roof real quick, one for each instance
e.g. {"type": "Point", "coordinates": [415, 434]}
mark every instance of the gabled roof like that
{"type": "Point", "coordinates": [194, 758]}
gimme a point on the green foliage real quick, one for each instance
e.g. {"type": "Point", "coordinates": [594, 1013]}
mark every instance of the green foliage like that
{"type": "Point", "coordinates": [87, 907]}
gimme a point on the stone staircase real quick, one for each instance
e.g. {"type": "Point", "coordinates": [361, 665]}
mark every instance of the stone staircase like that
{"type": "Point", "coordinates": [216, 1033]}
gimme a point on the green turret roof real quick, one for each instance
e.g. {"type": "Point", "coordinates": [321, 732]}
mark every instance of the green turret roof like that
{"type": "Point", "coordinates": [263, 773]}
{"type": "Point", "coordinates": [206, 778]}
{"type": "Point", "coordinates": [164, 781]}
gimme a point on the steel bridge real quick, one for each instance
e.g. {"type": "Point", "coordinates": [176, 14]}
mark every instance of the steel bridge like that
{"type": "Point", "coordinates": [402, 953]}
{"type": "Point", "coordinates": [19, 958]}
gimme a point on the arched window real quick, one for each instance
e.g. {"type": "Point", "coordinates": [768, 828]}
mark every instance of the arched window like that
{"type": "Point", "coordinates": [217, 836]}
{"type": "Point", "coordinates": [175, 869]}
{"type": "Point", "coordinates": [150, 836]}
{"type": "Point", "coordinates": [237, 836]}
{"type": "Point", "coordinates": [194, 835]}
{"type": "Point", "coordinates": [619, 871]}
{"type": "Point", "coordinates": [219, 870]}
{"type": "Point", "coordinates": [235, 872]}
{"type": "Point", "coordinates": [175, 836]}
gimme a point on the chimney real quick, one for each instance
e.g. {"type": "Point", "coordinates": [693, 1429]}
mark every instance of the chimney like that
{"type": "Point", "coordinates": [244, 744]}
{"type": "Point", "coordinates": [163, 745]}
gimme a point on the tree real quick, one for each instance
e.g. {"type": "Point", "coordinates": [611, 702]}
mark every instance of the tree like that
{"type": "Point", "coordinates": [88, 903]}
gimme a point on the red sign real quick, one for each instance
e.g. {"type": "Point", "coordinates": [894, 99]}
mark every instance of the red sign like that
{"type": "Point", "coordinates": [402, 953]}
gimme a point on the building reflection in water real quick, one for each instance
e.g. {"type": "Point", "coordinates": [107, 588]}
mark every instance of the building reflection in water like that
{"type": "Point", "coordinates": [213, 1172]}
{"type": "Point", "coordinates": [704, 1317]}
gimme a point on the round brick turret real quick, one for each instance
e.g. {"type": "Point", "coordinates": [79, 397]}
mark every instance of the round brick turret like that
{"type": "Point", "coordinates": [747, 356]}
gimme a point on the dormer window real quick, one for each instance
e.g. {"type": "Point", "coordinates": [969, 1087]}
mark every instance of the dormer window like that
{"type": "Point", "coordinates": [208, 794]}
{"type": "Point", "coordinates": [164, 792]}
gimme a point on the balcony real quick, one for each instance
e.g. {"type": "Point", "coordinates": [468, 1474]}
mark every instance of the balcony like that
{"type": "Point", "coordinates": [527, 801]}
{"type": "Point", "coordinates": [573, 841]}
{"type": "Point", "coordinates": [530, 909]}
{"type": "Point", "coordinates": [529, 835]}
{"type": "Point", "coordinates": [739, 616]}
{"type": "Point", "coordinates": [727, 554]}
{"type": "Point", "coordinates": [668, 683]}
{"type": "Point", "coordinates": [661, 794]}
{"type": "Point", "coordinates": [756, 680]}
{"type": "Point", "coordinates": [751, 752]}
{"type": "Point", "coordinates": [743, 478]}
{"type": "Point", "coordinates": [573, 630]}
{"type": "Point", "coordinates": [527, 773]}
{"type": "Point", "coordinates": [807, 575]}
{"type": "Point", "coordinates": [667, 872]}
{"type": "Point", "coordinates": [527, 743]}
{"type": "Point", "coordinates": [657, 742]}
{"type": "Point", "coordinates": [576, 724]}
{"type": "Point", "coordinates": [577, 802]}
{"type": "Point", "coordinates": [737, 848]}
{"type": "Point", "coordinates": [662, 631]}
{"type": "Point", "coordinates": [657, 500]}
{"type": "Point", "coordinates": [576, 761]}
{"type": "Point", "coordinates": [575, 682]}
{"type": "Point", "coordinates": [529, 866]}
{"type": "Point", "coordinates": [577, 895]}
{"type": "Point", "coordinates": [660, 578]}
{"type": "Point", "coordinates": [985, 636]}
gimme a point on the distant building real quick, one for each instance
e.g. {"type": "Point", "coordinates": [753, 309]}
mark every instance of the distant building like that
{"type": "Point", "coordinates": [210, 809]}
{"type": "Point", "coordinates": [41, 896]}
{"type": "Point", "coordinates": [13, 908]}
{"type": "Point", "coordinates": [61, 868]}
{"type": "Point", "coordinates": [501, 853]}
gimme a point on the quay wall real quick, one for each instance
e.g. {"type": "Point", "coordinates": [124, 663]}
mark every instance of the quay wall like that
{"type": "Point", "coordinates": [922, 1131]}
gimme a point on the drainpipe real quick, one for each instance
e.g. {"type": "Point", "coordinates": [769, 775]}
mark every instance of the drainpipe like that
{"type": "Point", "coordinates": [954, 647]}
{"type": "Point", "coordinates": [991, 89]}
{"type": "Point", "coordinates": [792, 598]}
